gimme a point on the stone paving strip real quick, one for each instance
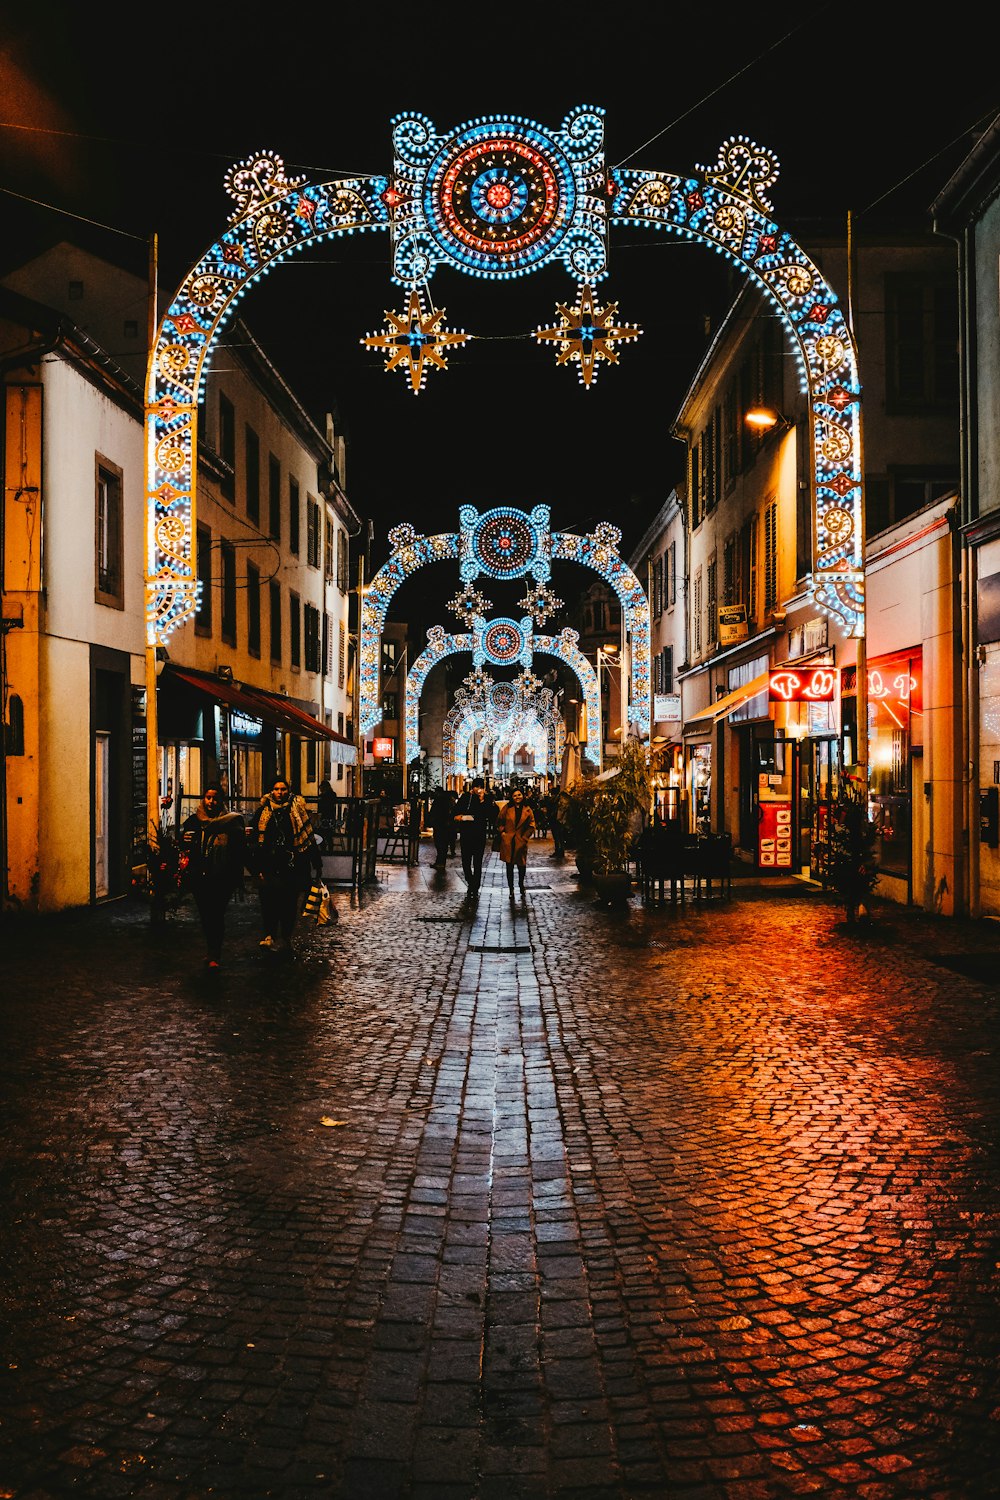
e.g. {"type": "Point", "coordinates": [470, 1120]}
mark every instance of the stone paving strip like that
{"type": "Point", "coordinates": [482, 1201]}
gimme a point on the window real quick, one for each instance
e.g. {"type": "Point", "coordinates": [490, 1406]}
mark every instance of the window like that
{"type": "Point", "coordinates": [312, 638]}
{"type": "Point", "coordinates": [328, 552]}
{"type": "Point", "coordinates": [672, 565]}
{"type": "Point", "coordinates": [342, 580]}
{"type": "Point", "coordinates": [252, 475]}
{"type": "Point", "coordinates": [253, 609]}
{"type": "Point", "coordinates": [327, 660]}
{"type": "Point", "coordinates": [274, 497]}
{"type": "Point", "coordinates": [228, 556]}
{"type": "Point", "coordinates": [390, 656]}
{"type": "Point", "coordinates": [312, 533]}
{"type": "Point", "coordinates": [712, 578]}
{"type": "Point", "coordinates": [771, 556]}
{"type": "Point", "coordinates": [341, 655]}
{"type": "Point", "coordinates": [902, 493]}
{"type": "Point", "coordinates": [13, 730]}
{"type": "Point", "coordinates": [730, 440]}
{"type": "Point", "coordinates": [295, 630]}
{"type": "Point", "coordinates": [657, 587]}
{"type": "Point", "coordinates": [696, 614]}
{"type": "Point", "coordinates": [275, 621]}
{"type": "Point", "coordinates": [921, 342]}
{"type": "Point", "coordinates": [110, 581]}
{"type": "Point", "coordinates": [389, 705]}
{"type": "Point", "coordinates": [227, 445]}
{"type": "Point", "coordinates": [294, 512]}
{"type": "Point", "coordinates": [750, 540]}
{"type": "Point", "coordinates": [667, 669]}
{"type": "Point", "coordinates": [203, 619]}
{"type": "Point", "coordinates": [730, 571]}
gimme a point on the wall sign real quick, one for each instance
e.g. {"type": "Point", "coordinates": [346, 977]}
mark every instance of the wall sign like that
{"type": "Point", "coordinates": [802, 685]}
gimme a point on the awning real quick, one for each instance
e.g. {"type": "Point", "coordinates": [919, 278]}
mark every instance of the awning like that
{"type": "Point", "coordinates": [271, 707]}
{"type": "Point", "coordinates": [734, 700]}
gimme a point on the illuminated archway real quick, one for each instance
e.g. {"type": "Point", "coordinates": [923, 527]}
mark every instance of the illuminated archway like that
{"type": "Point", "coordinates": [498, 198]}
{"type": "Point", "coordinates": [441, 645]}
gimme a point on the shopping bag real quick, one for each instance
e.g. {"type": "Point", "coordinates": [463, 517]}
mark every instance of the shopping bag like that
{"type": "Point", "coordinates": [327, 911]}
{"type": "Point", "coordinates": [314, 901]}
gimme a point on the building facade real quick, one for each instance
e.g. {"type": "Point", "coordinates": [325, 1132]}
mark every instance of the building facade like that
{"type": "Point", "coordinates": [763, 767]}
{"type": "Point", "coordinates": [255, 686]}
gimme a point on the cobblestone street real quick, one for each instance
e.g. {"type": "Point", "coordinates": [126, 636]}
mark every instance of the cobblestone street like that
{"type": "Point", "coordinates": [481, 1202]}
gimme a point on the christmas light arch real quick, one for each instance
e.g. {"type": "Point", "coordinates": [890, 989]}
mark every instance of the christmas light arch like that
{"type": "Point", "coordinates": [440, 645]}
{"type": "Point", "coordinates": [536, 195]}
{"type": "Point", "coordinates": [506, 543]}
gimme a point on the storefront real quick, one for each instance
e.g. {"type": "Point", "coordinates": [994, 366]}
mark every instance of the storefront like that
{"type": "Point", "coordinates": [895, 752]}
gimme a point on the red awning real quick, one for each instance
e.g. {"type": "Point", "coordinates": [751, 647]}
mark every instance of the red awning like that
{"type": "Point", "coordinates": [271, 707]}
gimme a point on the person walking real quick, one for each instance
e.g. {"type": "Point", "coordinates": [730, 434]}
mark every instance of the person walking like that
{"type": "Point", "coordinates": [472, 818]}
{"type": "Point", "coordinates": [284, 856]}
{"type": "Point", "coordinates": [214, 843]}
{"type": "Point", "coordinates": [555, 810]}
{"type": "Point", "coordinates": [517, 826]}
{"type": "Point", "coordinates": [441, 821]}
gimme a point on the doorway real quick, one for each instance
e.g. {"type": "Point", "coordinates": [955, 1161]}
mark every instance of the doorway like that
{"type": "Point", "coordinates": [102, 814]}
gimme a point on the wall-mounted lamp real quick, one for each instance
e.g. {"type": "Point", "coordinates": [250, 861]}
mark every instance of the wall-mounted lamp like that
{"type": "Point", "coordinates": [765, 419]}
{"type": "Point", "coordinates": [226, 673]}
{"type": "Point", "coordinates": [162, 657]}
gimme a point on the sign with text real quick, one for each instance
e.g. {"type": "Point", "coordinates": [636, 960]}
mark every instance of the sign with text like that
{"type": "Point", "coordinates": [732, 624]}
{"type": "Point", "coordinates": [666, 706]}
{"type": "Point", "coordinates": [382, 749]}
{"type": "Point", "coordinates": [802, 685]}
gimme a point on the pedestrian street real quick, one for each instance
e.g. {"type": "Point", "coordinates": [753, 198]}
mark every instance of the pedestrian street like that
{"type": "Point", "coordinates": [504, 1198]}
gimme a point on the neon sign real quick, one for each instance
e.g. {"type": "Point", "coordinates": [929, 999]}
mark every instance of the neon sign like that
{"type": "Point", "coordinates": [807, 685]}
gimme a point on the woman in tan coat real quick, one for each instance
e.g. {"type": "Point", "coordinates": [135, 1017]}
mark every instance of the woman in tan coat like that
{"type": "Point", "coordinates": [517, 828]}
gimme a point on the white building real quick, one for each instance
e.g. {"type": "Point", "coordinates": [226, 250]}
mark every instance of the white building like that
{"type": "Point", "coordinates": [256, 684]}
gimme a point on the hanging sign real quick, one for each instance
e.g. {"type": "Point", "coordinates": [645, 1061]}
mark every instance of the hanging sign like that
{"type": "Point", "coordinates": [382, 749]}
{"type": "Point", "coordinates": [802, 685]}
{"type": "Point", "coordinates": [666, 706]}
{"type": "Point", "coordinates": [732, 624]}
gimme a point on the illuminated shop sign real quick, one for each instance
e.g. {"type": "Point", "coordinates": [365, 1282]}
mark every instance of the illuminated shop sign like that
{"type": "Point", "coordinates": [382, 749]}
{"type": "Point", "coordinates": [244, 725]}
{"type": "Point", "coordinates": [802, 685]}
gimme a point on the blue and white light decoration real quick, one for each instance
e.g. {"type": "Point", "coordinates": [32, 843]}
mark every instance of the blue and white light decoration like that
{"type": "Point", "coordinates": [499, 197]}
{"type": "Point", "coordinates": [552, 199]}
{"type": "Point", "coordinates": [506, 543]}
{"type": "Point", "coordinates": [505, 716]}
{"type": "Point", "coordinates": [441, 645]}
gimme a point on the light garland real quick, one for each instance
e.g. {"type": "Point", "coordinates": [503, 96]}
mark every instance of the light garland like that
{"type": "Point", "coordinates": [539, 197]}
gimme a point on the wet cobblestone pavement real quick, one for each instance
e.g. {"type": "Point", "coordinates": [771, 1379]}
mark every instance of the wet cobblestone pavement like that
{"type": "Point", "coordinates": [480, 1203]}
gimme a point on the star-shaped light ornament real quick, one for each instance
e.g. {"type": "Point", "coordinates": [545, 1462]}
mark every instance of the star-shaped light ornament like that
{"type": "Point", "coordinates": [478, 682]}
{"type": "Point", "coordinates": [415, 340]}
{"type": "Point", "coordinates": [587, 334]}
{"type": "Point", "coordinates": [540, 602]}
{"type": "Point", "coordinates": [469, 603]}
{"type": "Point", "coordinates": [528, 683]}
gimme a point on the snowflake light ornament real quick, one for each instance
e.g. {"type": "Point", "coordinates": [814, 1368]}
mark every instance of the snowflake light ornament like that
{"type": "Point", "coordinates": [587, 334]}
{"type": "Point", "coordinates": [469, 603]}
{"type": "Point", "coordinates": [540, 602]}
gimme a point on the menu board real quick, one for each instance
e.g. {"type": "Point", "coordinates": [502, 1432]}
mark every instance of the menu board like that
{"type": "Point", "coordinates": [774, 836]}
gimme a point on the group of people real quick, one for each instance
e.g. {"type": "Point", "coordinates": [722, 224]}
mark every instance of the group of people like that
{"type": "Point", "coordinates": [478, 817]}
{"type": "Point", "coordinates": [279, 849]}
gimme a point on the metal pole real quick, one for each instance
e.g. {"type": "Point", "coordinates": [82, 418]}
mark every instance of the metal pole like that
{"type": "Point", "coordinates": [358, 736]}
{"type": "Point", "coordinates": [862, 668]}
{"type": "Point", "coordinates": [152, 729]}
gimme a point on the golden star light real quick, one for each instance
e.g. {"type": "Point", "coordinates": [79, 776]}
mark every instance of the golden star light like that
{"type": "Point", "coordinates": [587, 334]}
{"type": "Point", "coordinates": [415, 340]}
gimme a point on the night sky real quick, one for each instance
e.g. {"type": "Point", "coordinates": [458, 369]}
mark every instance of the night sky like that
{"type": "Point", "coordinates": [136, 132]}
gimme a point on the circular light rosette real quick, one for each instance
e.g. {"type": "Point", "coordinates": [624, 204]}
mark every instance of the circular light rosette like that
{"type": "Point", "coordinates": [505, 543]}
{"type": "Point", "coordinates": [503, 642]}
{"type": "Point", "coordinates": [499, 197]}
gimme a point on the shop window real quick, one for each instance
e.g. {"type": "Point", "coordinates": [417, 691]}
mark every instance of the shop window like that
{"type": "Point", "coordinates": [253, 609]}
{"type": "Point", "coordinates": [110, 582]}
{"type": "Point", "coordinates": [251, 477]}
{"type": "Point", "coordinates": [203, 618]}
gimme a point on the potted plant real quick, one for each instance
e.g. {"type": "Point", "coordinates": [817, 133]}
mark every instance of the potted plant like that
{"type": "Point", "coordinates": [852, 867]}
{"type": "Point", "coordinates": [606, 819]}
